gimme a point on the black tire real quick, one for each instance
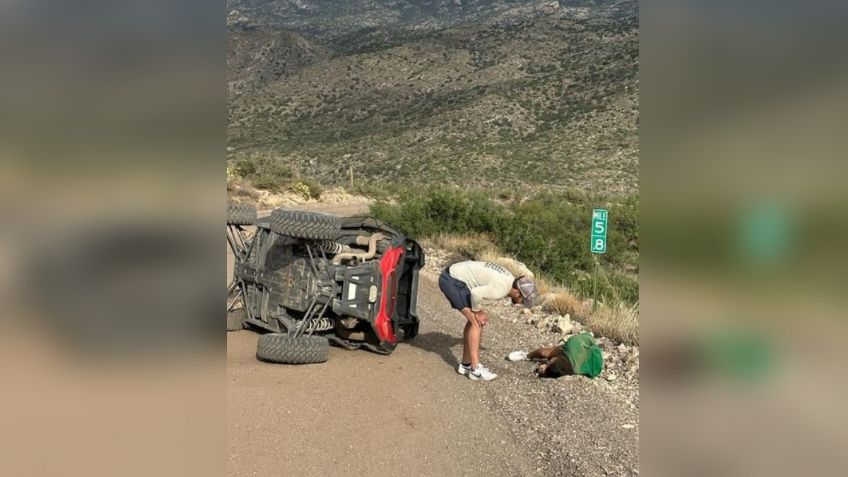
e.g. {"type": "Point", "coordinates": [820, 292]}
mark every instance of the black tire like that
{"type": "Point", "coordinates": [303, 224]}
{"type": "Point", "coordinates": [240, 214]}
{"type": "Point", "coordinates": [235, 320]}
{"type": "Point", "coordinates": [410, 330]}
{"type": "Point", "coordinates": [282, 348]}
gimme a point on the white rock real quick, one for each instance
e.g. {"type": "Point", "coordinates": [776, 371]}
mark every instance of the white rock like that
{"type": "Point", "coordinates": [526, 311]}
{"type": "Point", "coordinates": [611, 377]}
{"type": "Point", "coordinates": [628, 426]}
{"type": "Point", "coordinates": [563, 325]}
{"type": "Point", "coordinates": [542, 323]}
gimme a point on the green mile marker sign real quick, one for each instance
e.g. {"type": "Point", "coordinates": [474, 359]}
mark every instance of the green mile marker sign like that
{"type": "Point", "coordinates": [599, 231]}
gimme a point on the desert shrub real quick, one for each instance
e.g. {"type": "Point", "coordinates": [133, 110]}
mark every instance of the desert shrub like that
{"type": "Point", "coordinates": [244, 168]}
{"type": "Point", "coordinates": [269, 172]}
{"type": "Point", "coordinates": [264, 171]}
{"type": "Point", "coordinates": [428, 214]}
{"type": "Point", "coordinates": [473, 246]}
{"type": "Point", "coordinates": [626, 288]}
{"type": "Point", "coordinates": [548, 232]}
{"type": "Point", "coordinates": [307, 188]}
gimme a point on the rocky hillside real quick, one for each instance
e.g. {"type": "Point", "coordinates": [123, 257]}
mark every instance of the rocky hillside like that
{"type": "Point", "coordinates": [464, 91]}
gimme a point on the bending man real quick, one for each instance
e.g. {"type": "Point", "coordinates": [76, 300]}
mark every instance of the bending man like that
{"type": "Point", "coordinates": [466, 285]}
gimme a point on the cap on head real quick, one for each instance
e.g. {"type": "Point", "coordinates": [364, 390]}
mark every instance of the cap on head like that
{"type": "Point", "coordinates": [527, 289]}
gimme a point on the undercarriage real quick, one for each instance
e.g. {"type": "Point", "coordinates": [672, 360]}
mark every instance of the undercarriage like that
{"type": "Point", "coordinates": [316, 279]}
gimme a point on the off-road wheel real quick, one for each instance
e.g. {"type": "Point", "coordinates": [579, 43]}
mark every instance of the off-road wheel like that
{"type": "Point", "coordinates": [240, 214]}
{"type": "Point", "coordinates": [282, 348]}
{"type": "Point", "coordinates": [303, 224]}
{"type": "Point", "coordinates": [410, 330]}
{"type": "Point", "coordinates": [235, 319]}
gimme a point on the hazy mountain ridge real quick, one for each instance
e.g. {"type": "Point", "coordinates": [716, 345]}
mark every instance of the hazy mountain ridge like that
{"type": "Point", "coordinates": [501, 91]}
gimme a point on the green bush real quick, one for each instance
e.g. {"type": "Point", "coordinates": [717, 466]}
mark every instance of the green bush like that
{"type": "Point", "coordinates": [549, 232]}
{"type": "Point", "coordinates": [266, 183]}
{"type": "Point", "coordinates": [268, 172]}
{"type": "Point", "coordinates": [264, 171]}
{"type": "Point", "coordinates": [307, 188]}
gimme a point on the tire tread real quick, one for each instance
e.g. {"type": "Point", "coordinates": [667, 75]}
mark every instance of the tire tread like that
{"type": "Point", "coordinates": [240, 214]}
{"type": "Point", "coordinates": [305, 224]}
{"type": "Point", "coordinates": [285, 349]}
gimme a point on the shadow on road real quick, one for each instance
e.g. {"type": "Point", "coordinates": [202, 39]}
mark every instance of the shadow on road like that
{"type": "Point", "coordinates": [439, 343]}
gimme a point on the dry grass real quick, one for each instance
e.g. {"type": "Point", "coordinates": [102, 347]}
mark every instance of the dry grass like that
{"type": "Point", "coordinates": [468, 246]}
{"type": "Point", "coordinates": [514, 266]}
{"type": "Point", "coordinates": [561, 302]}
{"type": "Point", "coordinates": [543, 284]}
{"type": "Point", "coordinates": [240, 192]}
{"type": "Point", "coordinates": [620, 322]}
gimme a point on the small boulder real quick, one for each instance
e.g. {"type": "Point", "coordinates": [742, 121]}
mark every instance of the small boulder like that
{"type": "Point", "coordinates": [562, 325]}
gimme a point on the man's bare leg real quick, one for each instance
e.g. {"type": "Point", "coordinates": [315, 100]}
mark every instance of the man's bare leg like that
{"type": "Point", "coordinates": [466, 355]}
{"type": "Point", "coordinates": [471, 338]}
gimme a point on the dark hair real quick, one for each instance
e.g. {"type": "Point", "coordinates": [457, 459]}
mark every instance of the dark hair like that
{"type": "Point", "coordinates": [558, 366]}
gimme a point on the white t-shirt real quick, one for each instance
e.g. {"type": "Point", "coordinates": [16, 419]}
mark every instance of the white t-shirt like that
{"type": "Point", "coordinates": [486, 280]}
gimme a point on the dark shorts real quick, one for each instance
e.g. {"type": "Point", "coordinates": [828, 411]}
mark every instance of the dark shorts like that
{"type": "Point", "coordinates": [456, 291]}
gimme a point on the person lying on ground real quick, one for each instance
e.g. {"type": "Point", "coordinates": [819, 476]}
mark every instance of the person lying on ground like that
{"type": "Point", "coordinates": [580, 354]}
{"type": "Point", "coordinates": [466, 285]}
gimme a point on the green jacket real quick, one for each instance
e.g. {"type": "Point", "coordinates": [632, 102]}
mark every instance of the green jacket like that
{"type": "Point", "coordinates": [585, 355]}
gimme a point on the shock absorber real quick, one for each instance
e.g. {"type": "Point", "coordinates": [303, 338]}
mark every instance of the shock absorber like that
{"type": "Point", "coordinates": [329, 246]}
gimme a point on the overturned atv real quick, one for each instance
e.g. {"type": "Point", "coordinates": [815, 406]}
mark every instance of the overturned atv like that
{"type": "Point", "coordinates": [306, 279]}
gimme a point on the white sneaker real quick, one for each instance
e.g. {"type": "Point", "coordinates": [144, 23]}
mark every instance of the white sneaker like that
{"type": "Point", "coordinates": [463, 369]}
{"type": "Point", "coordinates": [481, 373]}
{"type": "Point", "coordinates": [517, 356]}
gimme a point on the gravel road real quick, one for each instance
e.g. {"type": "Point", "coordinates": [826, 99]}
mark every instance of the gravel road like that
{"type": "Point", "coordinates": [410, 412]}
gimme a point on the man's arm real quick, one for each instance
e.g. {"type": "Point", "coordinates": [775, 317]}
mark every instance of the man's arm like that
{"type": "Point", "coordinates": [479, 317]}
{"type": "Point", "coordinates": [486, 292]}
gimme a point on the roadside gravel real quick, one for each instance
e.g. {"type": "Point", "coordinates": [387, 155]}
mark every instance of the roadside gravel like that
{"type": "Point", "coordinates": [570, 426]}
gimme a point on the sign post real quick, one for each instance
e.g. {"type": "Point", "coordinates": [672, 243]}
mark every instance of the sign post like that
{"type": "Point", "coordinates": [598, 245]}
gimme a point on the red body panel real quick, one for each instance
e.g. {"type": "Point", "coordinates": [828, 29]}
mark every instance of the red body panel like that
{"type": "Point", "coordinates": [383, 322]}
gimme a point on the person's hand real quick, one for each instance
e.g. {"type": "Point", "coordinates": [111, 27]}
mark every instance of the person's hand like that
{"type": "Point", "coordinates": [482, 318]}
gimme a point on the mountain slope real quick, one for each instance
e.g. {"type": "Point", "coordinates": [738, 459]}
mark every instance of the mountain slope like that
{"type": "Point", "coordinates": [483, 93]}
